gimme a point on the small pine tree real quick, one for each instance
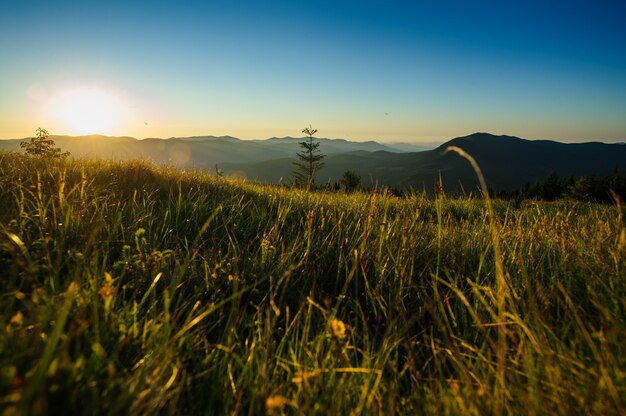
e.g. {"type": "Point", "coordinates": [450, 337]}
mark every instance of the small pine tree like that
{"type": "Point", "coordinates": [42, 145]}
{"type": "Point", "coordinates": [309, 160]}
{"type": "Point", "coordinates": [350, 181]}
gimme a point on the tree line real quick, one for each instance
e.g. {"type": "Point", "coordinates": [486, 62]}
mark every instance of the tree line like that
{"type": "Point", "coordinates": [591, 188]}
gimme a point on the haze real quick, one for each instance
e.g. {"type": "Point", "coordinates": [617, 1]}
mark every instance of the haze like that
{"type": "Point", "coordinates": [360, 70]}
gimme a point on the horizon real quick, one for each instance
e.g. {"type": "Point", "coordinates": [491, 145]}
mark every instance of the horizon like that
{"type": "Point", "coordinates": [359, 71]}
{"type": "Point", "coordinates": [394, 142]}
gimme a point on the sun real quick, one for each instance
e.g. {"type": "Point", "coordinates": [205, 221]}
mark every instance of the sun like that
{"type": "Point", "coordinates": [86, 111]}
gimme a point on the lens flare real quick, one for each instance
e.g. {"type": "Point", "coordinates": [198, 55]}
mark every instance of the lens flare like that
{"type": "Point", "coordinates": [86, 111]}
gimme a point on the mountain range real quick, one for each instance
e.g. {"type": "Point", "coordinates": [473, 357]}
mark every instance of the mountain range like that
{"type": "Point", "coordinates": [507, 162]}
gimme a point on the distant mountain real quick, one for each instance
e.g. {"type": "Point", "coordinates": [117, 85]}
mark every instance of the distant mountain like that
{"type": "Point", "coordinates": [507, 162]}
{"type": "Point", "coordinates": [196, 151]}
{"type": "Point", "coordinates": [330, 146]}
{"type": "Point", "coordinates": [412, 147]}
{"type": "Point", "coordinates": [208, 138]}
{"type": "Point", "coordinates": [510, 162]}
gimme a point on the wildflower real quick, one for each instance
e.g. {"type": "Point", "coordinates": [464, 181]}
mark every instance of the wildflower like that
{"type": "Point", "coordinates": [17, 318]}
{"type": "Point", "coordinates": [15, 322]}
{"type": "Point", "coordinates": [275, 402]}
{"type": "Point", "coordinates": [337, 329]}
{"type": "Point", "coordinates": [107, 290]}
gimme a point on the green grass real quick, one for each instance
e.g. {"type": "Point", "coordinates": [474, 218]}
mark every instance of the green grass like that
{"type": "Point", "coordinates": [133, 289]}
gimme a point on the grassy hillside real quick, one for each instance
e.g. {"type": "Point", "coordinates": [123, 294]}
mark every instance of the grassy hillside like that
{"type": "Point", "coordinates": [132, 289]}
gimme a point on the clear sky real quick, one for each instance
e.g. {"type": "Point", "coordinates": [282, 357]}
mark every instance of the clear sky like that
{"type": "Point", "coordinates": [361, 70]}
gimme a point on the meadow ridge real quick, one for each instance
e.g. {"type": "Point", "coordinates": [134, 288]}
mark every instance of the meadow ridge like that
{"type": "Point", "coordinates": [135, 289]}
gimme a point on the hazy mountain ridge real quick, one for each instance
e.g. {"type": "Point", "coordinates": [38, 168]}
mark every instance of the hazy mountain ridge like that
{"type": "Point", "coordinates": [507, 162]}
{"type": "Point", "coordinates": [196, 151]}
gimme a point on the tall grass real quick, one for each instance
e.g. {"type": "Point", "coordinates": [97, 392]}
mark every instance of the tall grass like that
{"type": "Point", "coordinates": [134, 289]}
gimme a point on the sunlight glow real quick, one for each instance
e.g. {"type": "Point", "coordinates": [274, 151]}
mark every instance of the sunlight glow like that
{"type": "Point", "coordinates": [86, 111]}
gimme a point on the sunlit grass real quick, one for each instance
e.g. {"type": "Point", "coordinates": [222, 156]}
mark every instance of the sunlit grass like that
{"type": "Point", "coordinates": [129, 288]}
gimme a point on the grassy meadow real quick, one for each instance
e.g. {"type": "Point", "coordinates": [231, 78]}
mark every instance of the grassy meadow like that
{"type": "Point", "coordinates": [128, 288]}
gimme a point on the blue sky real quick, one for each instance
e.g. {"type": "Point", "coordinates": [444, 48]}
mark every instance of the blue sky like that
{"type": "Point", "coordinates": [388, 71]}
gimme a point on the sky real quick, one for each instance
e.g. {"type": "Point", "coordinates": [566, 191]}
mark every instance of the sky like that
{"type": "Point", "coordinates": [408, 71]}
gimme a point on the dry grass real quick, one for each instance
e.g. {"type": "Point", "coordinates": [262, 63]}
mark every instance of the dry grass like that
{"type": "Point", "coordinates": [133, 289]}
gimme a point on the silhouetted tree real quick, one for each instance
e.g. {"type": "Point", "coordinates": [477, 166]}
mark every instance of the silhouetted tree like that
{"type": "Point", "coordinates": [610, 186]}
{"type": "Point", "coordinates": [552, 187]}
{"type": "Point", "coordinates": [350, 181]}
{"type": "Point", "coordinates": [42, 145]}
{"type": "Point", "coordinates": [581, 189]}
{"type": "Point", "coordinates": [309, 160]}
